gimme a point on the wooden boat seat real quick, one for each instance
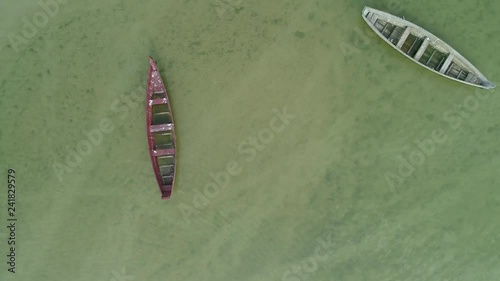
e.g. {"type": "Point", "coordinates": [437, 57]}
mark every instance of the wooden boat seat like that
{"type": "Point", "coordinates": [159, 95]}
{"type": "Point", "coordinates": [422, 48]}
{"type": "Point", "coordinates": [166, 160]}
{"type": "Point", "coordinates": [163, 152]}
{"type": "Point", "coordinates": [405, 35]}
{"type": "Point", "coordinates": [159, 101]}
{"type": "Point", "coordinates": [161, 127]}
{"type": "Point", "coordinates": [446, 63]}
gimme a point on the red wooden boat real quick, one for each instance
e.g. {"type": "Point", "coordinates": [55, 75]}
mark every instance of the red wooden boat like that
{"type": "Point", "coordinates": [160, 130]}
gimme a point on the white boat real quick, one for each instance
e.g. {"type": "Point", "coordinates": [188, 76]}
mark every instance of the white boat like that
{"type": "Point", "coordinates": [424, 48]}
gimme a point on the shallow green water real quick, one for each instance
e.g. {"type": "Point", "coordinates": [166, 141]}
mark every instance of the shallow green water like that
{"type": "Point", "coordinates": [337, 173]}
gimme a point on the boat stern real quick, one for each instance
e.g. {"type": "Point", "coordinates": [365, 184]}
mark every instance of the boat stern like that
{"type": "Point", "coordinates": [365, 11]}
{"type": "Point", "coordinates": [489, 85]}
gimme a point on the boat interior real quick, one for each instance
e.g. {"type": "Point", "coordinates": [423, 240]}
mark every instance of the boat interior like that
{"type": "Point", "coordinates": [166, 164]}
{"type": "Point", "coordinates": [163, 139]}
{"type": "Point", "coordinates": [420, 49]}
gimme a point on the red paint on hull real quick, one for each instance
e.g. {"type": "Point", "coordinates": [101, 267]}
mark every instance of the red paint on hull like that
{"type": "Point", "coordinates": [160, 131]}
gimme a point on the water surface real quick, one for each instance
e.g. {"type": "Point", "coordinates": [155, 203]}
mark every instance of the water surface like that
{"type": "Point", "coordinates": [390, 167]}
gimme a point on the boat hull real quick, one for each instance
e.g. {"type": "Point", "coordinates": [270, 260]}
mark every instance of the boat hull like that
{"type": "Point", "coordinates": [160, 132]}
{"type": "Point", "coordinates": [424, 48]}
